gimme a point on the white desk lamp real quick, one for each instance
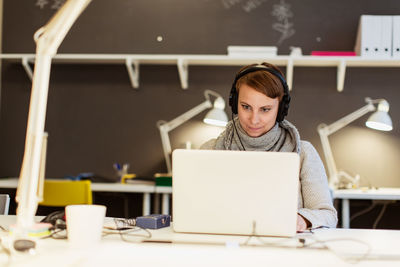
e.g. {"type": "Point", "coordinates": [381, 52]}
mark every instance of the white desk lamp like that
{"type": "Point", "coordinates": [216, 116]}
{"type": "Point", "coordinates": [48, 39]}
{"type": "Point", "coordinates": [379, 120]}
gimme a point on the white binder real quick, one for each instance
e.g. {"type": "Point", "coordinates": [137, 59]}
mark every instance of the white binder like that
{"type": "Point", "coordinates": [368, 37]}
{"type": "Point", "coordinates": [396, 37]}
{"type": "Point", "coordinates": [385, 48]}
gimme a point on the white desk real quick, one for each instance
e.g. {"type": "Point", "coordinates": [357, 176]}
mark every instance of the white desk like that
{"type": "Point", "coordinates": [166, 192]}
{"type": "Point", "coordinates": [166, 248]}
{"type": "Point", "coordinates": [368, 194]}
{"type": "Point", "coordinates": [105, 187]}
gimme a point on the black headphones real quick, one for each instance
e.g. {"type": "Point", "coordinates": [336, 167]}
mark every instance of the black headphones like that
{"type": "Point", "coordinates": [283, 104]}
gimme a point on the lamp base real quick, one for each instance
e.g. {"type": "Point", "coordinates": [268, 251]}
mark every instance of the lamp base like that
{"type": "Point", "coordinates": [346, 181]}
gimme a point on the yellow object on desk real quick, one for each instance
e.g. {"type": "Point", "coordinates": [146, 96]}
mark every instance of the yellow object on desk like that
{"type": "Point", "coordinates": [126, 177]}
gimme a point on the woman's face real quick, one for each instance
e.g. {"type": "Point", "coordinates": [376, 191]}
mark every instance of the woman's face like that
{"type": "Point", "coordinates": [256, 111]}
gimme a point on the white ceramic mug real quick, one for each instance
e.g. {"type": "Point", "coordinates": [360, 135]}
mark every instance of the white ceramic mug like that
{"type": "Point", "coordinates": [84, 224]}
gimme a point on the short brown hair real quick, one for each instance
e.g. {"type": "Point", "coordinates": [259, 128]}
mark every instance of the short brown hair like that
{"type": "Point", "coordinates": [262, 81]}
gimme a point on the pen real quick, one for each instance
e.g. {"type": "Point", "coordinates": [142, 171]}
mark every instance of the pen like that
{"type": "Point", "coordinates": [117, 167]}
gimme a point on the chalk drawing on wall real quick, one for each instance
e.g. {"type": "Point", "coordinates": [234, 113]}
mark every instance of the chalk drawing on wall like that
{"type": "Point", "coordinates": [246, 5]}
{"type": "Point", "coordinates": [54, 4]}
{"type": "Point", "coordinates": [282, 13]}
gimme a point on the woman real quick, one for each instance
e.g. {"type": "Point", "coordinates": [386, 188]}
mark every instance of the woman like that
{"type": "Point", "coordinates": [260, 98]}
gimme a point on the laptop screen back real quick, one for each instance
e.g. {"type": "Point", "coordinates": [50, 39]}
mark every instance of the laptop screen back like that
{"type": "Point", "coordinates": [235, 192]}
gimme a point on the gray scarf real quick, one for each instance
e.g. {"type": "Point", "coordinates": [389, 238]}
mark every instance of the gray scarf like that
{"type": "Point", "coordinates": [283, 137]}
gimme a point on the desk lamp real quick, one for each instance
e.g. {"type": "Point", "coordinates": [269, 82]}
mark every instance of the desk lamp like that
{"type": "Point", "coordinates": [216, 116]}
{"type": "Point", "coordinates": [379, 120]}
{"type": "Point", "coordinates": [48, 39]}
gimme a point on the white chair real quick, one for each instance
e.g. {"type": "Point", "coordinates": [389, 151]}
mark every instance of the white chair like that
{"type": "Point", "coordinates": [4, 204]}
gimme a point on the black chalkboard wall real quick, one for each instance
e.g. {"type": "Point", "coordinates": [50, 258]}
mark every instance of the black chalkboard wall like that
{"type": "Point", "coordinates": [202, 26]}
{"type": "Point", "coordinates": [95, 118]}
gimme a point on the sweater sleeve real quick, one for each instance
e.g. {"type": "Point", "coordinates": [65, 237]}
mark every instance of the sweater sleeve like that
{"type": "Point", "coordinates": [209, 145]}
{"type": "Point", "coordinates": [317, 204]}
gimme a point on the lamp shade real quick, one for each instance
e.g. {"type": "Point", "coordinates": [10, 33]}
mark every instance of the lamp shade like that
{"type": "Point", "coordinates": [217, 116]}
{"type": "Point", "coordinates": [380, 120]}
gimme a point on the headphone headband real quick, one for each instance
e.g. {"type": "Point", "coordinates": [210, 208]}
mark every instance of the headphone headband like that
{"type": "Point", "coordinates": [283, 104]}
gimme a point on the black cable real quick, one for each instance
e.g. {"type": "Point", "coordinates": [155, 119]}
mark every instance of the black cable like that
{"type": "Point", "coordinates": [124, 233]}
{"type": "Point", "coordinates": [373, 205]}
{"type": "Point", "coordinates": [123, 224]}
{"type": "Point", "coordinates": [368, 209]}
{"type": "Point", "coordinates": [124, 228]}
{"type": "Point", "coordinates": [304, 244]}
{"type": "Point", "coordinates": [380, 216]}
{"type": "Point", "coordinates": [270, 244]}
{"type": "Point", "coordinates": [54, 234]}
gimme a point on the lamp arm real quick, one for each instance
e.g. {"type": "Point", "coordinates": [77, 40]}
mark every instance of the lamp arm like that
{"type": "Point", "coordinates": [166, 127]}
{"type": "Point", "coordinates": [166, 147]}
{"type": "Point", "coordinates": [50, 36]}
{"type": "Point", "coordinates": [169, 126]}
{"type": "Point", "coordinates": [326, 130]}
{"type": "Point", "coordinates": [48, 39]}
{"type": "Point", "coordinates": [330, 162]}
{"type": "Point", "coordinates": [339, 124]}
{"type": "Point", "coordinates": [207, 94]}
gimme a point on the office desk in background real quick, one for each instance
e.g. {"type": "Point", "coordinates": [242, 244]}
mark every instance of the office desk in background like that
{"type": "Point", "coordinates": [146, 189]}
{"type": "Point", "coordinates": [165, 191]}
{"type": "Point", "coordinates": [384, 193]}
{"type": "Point", "coordinates": [335, 247]}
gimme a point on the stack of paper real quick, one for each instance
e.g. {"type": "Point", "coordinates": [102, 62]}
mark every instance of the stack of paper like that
{"type": "Point", "coordinates": [252, 51]}
{"type": "Point", "coordinates": [374, 37]}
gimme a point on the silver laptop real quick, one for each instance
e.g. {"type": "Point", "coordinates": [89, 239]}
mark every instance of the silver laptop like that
{"type": "Point", "coordinates": [235, 192]}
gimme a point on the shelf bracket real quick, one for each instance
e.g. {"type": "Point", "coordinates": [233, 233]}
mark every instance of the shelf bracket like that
{"type": "Point", "coordinates": [183, 72]}
{"type": "Point", "coordinates": [289, 73]}
{"type": "Point", "coordinates": [341, 73]}
{"type": "Point", "coordinates": [25, 63]}
{"type": "Point", "coordinates": [133, 70]}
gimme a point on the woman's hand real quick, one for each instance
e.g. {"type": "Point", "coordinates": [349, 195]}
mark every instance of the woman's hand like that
{"type": "Point", "coordinates": [301, 223]}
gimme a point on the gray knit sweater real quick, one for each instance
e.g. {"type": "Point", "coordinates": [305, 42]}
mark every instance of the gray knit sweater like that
{"type": "Point", "coordinates": [315, 200]}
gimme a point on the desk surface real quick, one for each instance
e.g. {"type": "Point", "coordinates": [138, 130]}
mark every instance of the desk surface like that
{"type": "Point", "coordinates": [96, 187]}
{"type": "Point", "coordinates": [383, 193]}
{"type": "Point", "coordinates": [167, 248]}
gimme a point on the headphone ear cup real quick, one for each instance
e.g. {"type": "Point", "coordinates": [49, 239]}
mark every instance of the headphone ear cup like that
{"type": "Point", "coordinates": [283, 108]}
{"type": "Point", "coordinates": [235, 103]}
{"type": "Point", "coordinates": [233, 100]}
{"type": "Point", "coordinates": [287, 104]}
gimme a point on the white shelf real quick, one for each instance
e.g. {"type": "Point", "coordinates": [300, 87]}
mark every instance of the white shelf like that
{"type": "Point", "coordinates": [133, 61]}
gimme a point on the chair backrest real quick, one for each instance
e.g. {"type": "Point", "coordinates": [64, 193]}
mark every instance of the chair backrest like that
{"type": "Point", "coordinates": [59, 193]}
{"type": "Point", "coordinates": [4, 204]}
